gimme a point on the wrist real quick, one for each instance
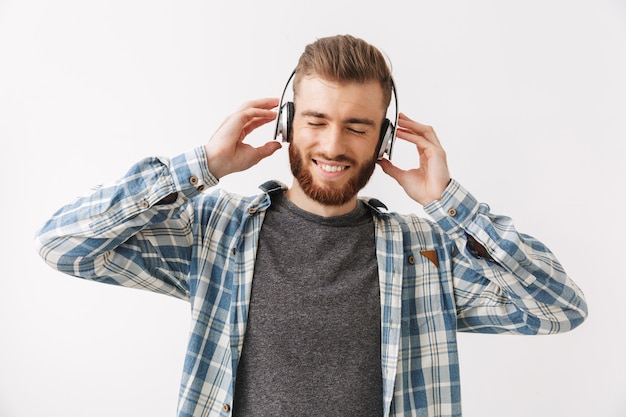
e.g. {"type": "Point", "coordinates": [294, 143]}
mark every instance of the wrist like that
{"type": "Point", "coordinates": [213, 163]}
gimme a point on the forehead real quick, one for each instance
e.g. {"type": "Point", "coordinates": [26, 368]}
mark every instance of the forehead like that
{"type": "Point", "coordinates": [315, 93]}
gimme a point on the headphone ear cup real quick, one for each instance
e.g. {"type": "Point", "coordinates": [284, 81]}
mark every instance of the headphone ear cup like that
{"type": "Point", "coordinates": [385, 140]}
{"type": "Point", "coordinates": [285, 120]}
{"type": "Point", "coordinates": [291, 109]}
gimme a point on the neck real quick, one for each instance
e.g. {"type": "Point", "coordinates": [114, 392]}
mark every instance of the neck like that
{"type": "Point", "coordinates": [297, 196]}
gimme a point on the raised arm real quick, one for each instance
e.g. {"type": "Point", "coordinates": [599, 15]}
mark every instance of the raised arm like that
{"type": "Point", "coordinates": [503, 280]}
{"type": "Point", "coordinates": [138, 231]}
{"type": "Point", "coordinates": [126, 233]}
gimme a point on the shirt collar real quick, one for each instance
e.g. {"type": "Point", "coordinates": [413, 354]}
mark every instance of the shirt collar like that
{"type": "Point", "coordinates": [377, 206]}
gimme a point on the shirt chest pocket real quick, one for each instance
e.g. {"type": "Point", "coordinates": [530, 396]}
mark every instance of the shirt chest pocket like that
{"type": "Point", "coordinates": [427, 294]}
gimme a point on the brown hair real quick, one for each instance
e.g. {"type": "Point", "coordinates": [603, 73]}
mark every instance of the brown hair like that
{"type": "Point", "coordinates": [344, 58]}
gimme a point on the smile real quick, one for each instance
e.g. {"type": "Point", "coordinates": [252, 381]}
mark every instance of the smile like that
{"type": "Point", "coordinates": [330, 168]}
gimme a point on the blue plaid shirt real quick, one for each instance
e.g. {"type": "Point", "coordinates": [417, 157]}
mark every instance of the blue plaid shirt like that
{"type": "Point", "coordinates": [201, 248]}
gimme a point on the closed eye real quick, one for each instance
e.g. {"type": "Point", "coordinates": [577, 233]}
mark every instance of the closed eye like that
{"type": "Point", "coordinates": [358, 132]}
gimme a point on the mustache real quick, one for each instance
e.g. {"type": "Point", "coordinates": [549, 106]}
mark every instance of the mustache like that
{"type": "Point", "coordinates": [337, 158]}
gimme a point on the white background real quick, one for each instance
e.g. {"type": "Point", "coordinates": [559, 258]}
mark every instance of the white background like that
{"type": "Point", "coordinates": [528, 98]}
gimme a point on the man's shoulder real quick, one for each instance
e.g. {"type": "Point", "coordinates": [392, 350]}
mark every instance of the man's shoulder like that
{"type": "Point", "coordinates": [272, 186]}
{"type": "Point", "coordinates": [219, 197]}
{"type": "Point", "coordinates": [409, 222]}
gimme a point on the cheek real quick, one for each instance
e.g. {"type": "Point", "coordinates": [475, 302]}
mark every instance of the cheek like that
{"type": "Point", "coordinates": [303, 135]}
{"type": "Point", "coordinates": [369, 150]}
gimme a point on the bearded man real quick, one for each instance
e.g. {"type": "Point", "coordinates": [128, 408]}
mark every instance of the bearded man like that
{"type": "Point", "coordinates": [310, 300]}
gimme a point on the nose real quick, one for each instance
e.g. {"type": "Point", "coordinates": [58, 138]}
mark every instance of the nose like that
{"type": "Point", "coordinates": [333, 142]}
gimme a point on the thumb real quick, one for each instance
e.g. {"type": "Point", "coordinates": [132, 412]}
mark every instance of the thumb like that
{"type": "Point", "coordinates": [390, 169]}
{"type": "Point", "coordinates": [268, 149]}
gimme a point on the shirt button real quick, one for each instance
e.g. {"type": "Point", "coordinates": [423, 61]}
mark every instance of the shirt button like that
{"type": "Point", "coordinates": [452, 212]}
{"type": "Point", "coordinates": [226, 407]}
{"type": "Point", "coordinates": [193, 180]}
{"type": "Point", "coordinates": [251, 210]}
{"type": "Point", "coordinates": [145, 204]}
{"type": "Point", "coordinates": [201, 188]}
{"type": "Point", "coordinates": [411, 259]}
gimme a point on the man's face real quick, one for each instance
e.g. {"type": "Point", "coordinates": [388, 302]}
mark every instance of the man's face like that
{"type": "Point", "coordinates": [336, 129]}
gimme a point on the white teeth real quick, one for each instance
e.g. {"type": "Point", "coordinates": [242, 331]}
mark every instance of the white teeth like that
{"type": "Point", "coordinates": [331, 168]}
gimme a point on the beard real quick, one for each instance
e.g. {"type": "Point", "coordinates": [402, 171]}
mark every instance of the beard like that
{"type": "Point", "coordinates": [329, 195]}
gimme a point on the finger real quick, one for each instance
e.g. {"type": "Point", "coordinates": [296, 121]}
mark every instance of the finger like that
{"type": "Point", "coordinates": [261, 103]}
{"type": "Point", "coordinates": [247, 113]}
{"type": "Point", "coordinates": [407, 121]}
{"type": "Point", "coordinates": [418, 140]}
{"type": "Point", "coordinates": [257, 113]}
{"type": "Point", "coordinates": [268, 149]}
{"type": "Point", "coordinates": [390, 169]}
{"type": "Point", "coordinates": [258, 121]}
{"type": "Point", "coordinates": [426, 131]}
{"type": "Point", "coordinates": [250, 119]}
{"type": "Point", "coordinates": [261, 108]}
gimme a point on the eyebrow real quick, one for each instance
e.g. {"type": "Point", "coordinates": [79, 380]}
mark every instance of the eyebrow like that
{"type": "Point", "coordinates": [351, 120]}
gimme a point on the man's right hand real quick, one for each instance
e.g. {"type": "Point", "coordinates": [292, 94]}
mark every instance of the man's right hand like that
{"type": "Point", "coordinates": [226, 152]}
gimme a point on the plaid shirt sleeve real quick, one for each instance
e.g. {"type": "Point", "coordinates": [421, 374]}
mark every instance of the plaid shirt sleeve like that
{"type": "Point", "coordinates": [504, 281]}
{"type": "Point", "coordinates": [122, 233]}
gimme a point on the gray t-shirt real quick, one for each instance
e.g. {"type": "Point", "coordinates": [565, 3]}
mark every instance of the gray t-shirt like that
{"type": "Point", "coordinates": [312, 345]}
